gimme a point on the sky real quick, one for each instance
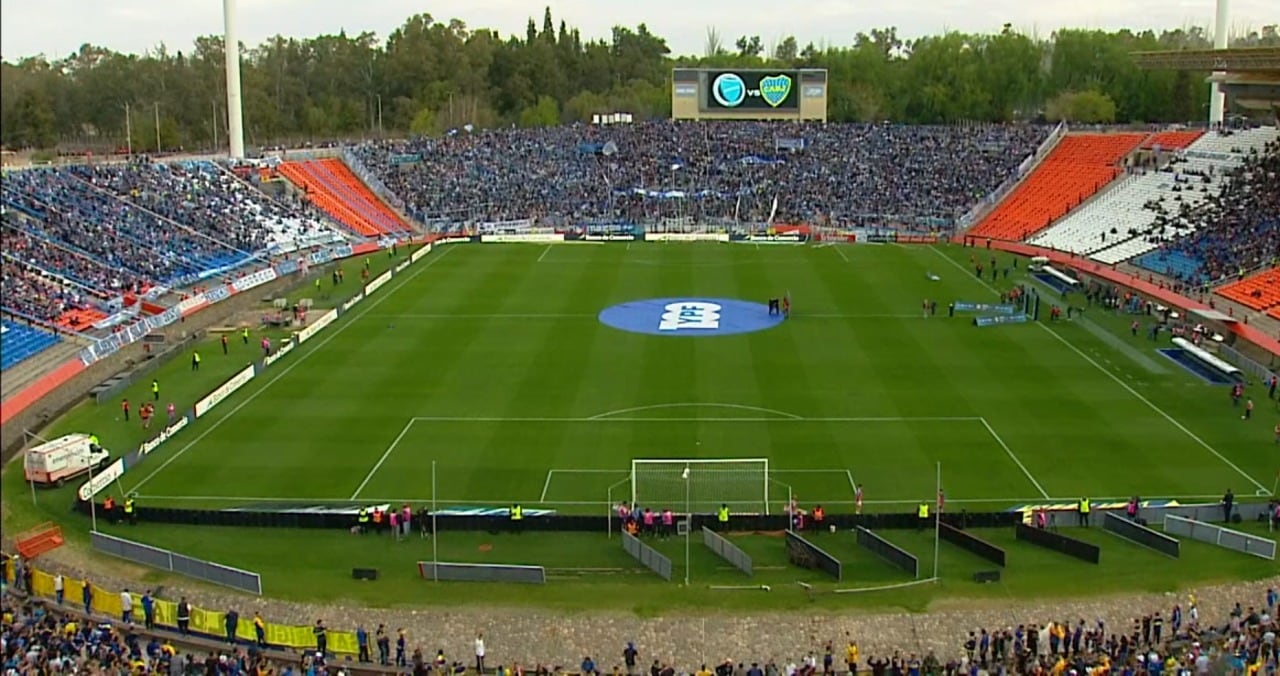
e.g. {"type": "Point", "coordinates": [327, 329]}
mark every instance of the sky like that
{"type": "Point", "coordinates": [57, 28]}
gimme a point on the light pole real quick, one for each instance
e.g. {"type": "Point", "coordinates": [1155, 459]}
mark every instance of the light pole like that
{"type": "Point", "coordinates": [128, 128]}
{"type": "Point", "coordinates": [688, 524]}
{"type": "Point", "coordinates": [93, 508]}
{"type": "Point", "coordinates": [157, 109]}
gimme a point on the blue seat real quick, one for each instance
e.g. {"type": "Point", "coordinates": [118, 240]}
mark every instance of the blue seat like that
{"type": "Point", "coordinates": [19, 342]}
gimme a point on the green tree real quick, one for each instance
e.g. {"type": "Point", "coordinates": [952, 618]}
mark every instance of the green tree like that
{"type": "Point", "coordinates": [1089, 107]}
{"type": "Point", "coordinates": [544, 113]}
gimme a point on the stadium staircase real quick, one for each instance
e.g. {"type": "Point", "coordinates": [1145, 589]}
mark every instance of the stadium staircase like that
{"type": "Point", "coordinates": [19, 342]}
{"type": "Point", "coordinates": [330, 185]}
{"type": "Point", "coordinates": [1080, 165]}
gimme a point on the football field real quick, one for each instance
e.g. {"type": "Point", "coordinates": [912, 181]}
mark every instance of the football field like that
{"type": "Point", "coordinates": [492, 364]}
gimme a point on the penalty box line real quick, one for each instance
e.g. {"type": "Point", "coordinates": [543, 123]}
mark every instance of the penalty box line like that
{"type": "Point", "coordinates": [546, 484]}
{"type": "Point", "coordinates": [775, 419]}
{"type": "Point", "coordinates": [1261, 489]}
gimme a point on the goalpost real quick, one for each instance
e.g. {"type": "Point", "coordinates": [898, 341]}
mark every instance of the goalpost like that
{"type": "Point", "coordinates": [702, 485]}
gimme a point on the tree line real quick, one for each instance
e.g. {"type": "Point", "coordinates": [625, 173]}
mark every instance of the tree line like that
{"type": "Point", "coordinates": [429, 77]}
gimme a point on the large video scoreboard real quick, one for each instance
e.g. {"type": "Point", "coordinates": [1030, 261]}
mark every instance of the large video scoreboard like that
{"type": "Point", "coordinates": [710, 94]}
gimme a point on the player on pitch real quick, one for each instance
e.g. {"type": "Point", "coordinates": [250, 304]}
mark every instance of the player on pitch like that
{"type": "Point", "coordinates": [786, 305]}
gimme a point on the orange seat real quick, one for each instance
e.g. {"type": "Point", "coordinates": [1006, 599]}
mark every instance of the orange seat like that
{"type": "Point", "coordinates": [43, 538]}
{"type": "Point", "coordinates": [330, 185]}
{"type": "Point", "coordinates": [1076, 169]}
{"type": "Point", "coordinates": [1171, 140]}
{"type": "Point", "coordinates": [1257, 292]}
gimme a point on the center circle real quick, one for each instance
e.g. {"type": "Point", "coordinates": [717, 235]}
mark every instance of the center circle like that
{"type": "Point", "coordinates": [699, 317]}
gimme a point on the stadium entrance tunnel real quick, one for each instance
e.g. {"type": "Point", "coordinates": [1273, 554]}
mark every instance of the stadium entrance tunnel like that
{"type": "Point", "coordinates": [698, 317]}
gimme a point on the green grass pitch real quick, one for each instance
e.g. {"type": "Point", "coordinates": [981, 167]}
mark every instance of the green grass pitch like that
{"type": "Point", "coordinates": [490, 362]}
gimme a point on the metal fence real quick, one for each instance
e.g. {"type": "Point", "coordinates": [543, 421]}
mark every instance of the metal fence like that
{"type": "Point", "coordinates": [727, 550]}
{"type": "Point", "coordinates": [1250, 366]}
{"type": "Point", "coordinates": [1222, 537]}
{"type": "Point", "coordinates": [650, 557]}
{"type": "Point", "coordinates": [481, 572]}
{"type": "Point", "coordinates": [177, 563]}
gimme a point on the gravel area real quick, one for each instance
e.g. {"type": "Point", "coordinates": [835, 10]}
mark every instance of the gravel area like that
{"type": "Point", "coordinates": [684, 640]}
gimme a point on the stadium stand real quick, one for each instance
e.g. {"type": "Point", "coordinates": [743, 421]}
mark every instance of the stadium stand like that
{"type": "Point", "coordinates": [712, 172]}
{"type": "Point", "coordinates": [1121, 221]}
{"type": "Point", "coordinates": [1227, 233]}
{"type": "Point", "coordinates": [330, 185]}
{"type": "Point", "coordinates": [19, 342]}
{"type": "Point", "coordinates": [1258, 292]}
{"type": "Point", "coordinates": [123, 227]}
{"type": "Point", "coordinates": [1171, 140]}
{"type": "Point", "coordinates": [1077, 168]}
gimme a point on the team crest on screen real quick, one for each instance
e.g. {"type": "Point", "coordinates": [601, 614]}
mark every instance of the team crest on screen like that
{"type": "Point", "coordinates": [696, 317]}
{"type": "Point", "coordinates": [775, 89]}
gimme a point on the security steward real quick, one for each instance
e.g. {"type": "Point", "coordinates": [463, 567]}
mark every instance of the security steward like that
{"type": "Point", "coordinates": [130, 514]}
{"type": "Point", "coordinates": [516, 515]}
{"type": "Point", "coordinates": [722, 517]}
{"type": "Point", "coordinates": [377, 520]}
{"type": "Point", "coordinates": [819, 518]}
{"type": "Point", "coordinates": [109, 506]}
{"type": "Point", "coordinates": [362, 520]}
{"type": "Point", "coordinates": [922, 515]}
{"type": "Point", "coordinates": [1083, 508]}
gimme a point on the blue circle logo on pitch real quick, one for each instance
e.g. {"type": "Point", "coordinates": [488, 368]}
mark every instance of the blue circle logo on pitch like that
{"type": "Point", "coordinates": [690, 317]}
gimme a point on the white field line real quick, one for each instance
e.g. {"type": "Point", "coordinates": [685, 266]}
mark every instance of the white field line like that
{"type": "Point", "coordinates": [840, 250]}
{"type": "Point", "coordinates": [515, 315]}
{"type": "Point", "coordinates": [1203, 444]}
{"type": "Point", "coordinates": [387, 293]}
{"type": "Point", "coordinates": [546, 485]}
{"type": "Point", "coordinates": [545, 252]}
{"type": "Point", "coordinates": [1026, 472]}
{"type": "Point", "coordinates": [689, 419]}
{"type": "Point", "coordinates": [370, 500]}
{"type": "Point", "coordinates": [738, 407]}
{"type": "Point", "coordinates": [385, 455]}
{"type": "Point", "coordinates": [581, 315]}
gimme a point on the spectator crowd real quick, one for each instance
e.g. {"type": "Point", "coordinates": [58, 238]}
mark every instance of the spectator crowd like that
{"type": "Point", "coordinates": [1234, 231]}
{"type": "Point", "coordinates": [51, 637]}
{"type": "Point", "coordinates": [705, 171]}
{"type": "Point", "coordinates": [73, 234]}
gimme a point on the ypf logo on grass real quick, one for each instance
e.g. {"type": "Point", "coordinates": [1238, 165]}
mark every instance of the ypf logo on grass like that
{"type": "Point", "coordinates": [689, 317]}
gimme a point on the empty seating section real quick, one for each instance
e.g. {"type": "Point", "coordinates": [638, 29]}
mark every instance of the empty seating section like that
{"type": "Point", "coordinates": [19, 342]}
{"type": "Point", "coordinates": [1260, 292]}
{"type": "Point", "coordinates": [1077, 168]}
{"type": "Point", "coordinates": [330, 185]}
{"type": "Point", "coordinates": [1171, 140]}
{"type": "Point", "coordinates": [1117, 224]}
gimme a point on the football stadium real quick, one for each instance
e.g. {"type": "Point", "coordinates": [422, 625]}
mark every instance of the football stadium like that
{"type": "Point", "coordinates": [730, 367]}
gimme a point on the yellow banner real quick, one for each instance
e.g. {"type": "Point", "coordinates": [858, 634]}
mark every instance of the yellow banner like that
{"type": "Point", "coordinates": [213, 623]}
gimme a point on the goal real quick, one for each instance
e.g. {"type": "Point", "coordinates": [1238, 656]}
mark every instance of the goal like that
{"type": "Point", "coordinates": [702, 485]}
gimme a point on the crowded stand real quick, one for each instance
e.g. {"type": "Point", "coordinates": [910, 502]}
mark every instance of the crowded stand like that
{"type": "Point", "coordinates": [1230, 232]}
{"type": "Point", "coordinates": [839, 174]}
{"type": "Point", "coordinates": [46, 636]}
{"type": "Point", "coordinates": [1117, 223]}
{"type": "Point", "coordinates": [145, 223]}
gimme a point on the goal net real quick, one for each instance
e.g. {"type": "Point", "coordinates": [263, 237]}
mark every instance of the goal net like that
{"type": "Point", "coordinates": [703, 485]}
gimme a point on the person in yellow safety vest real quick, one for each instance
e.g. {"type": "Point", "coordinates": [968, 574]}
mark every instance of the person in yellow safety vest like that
{"type": "Point", "coordinates": [922, 515]}
{"type": "Point", "coordinates": [195, 361]}
{"type": "Point", "coordinates": [244, 335]}
{"type": "Point", "coordinates": [722, 516]}
{"type": "Point", "coordinates": [129, 512]}
{"type": "Point", "coordinates": [1083, 508]}
{"type": "Point", "coordinates": [94, 446]}
{"type": "Point", "coordinates": [362, 520]}
{"type": "Point", "coordinates": [155, 389]}
{"type": "Point", "coordinates": [516, 515]}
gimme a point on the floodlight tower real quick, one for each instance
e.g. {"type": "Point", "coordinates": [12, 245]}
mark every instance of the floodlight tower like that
{"type": "Point", "coordinates": [1218, 97]}
{"type": "Point", "coordinates": [235, 121]}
